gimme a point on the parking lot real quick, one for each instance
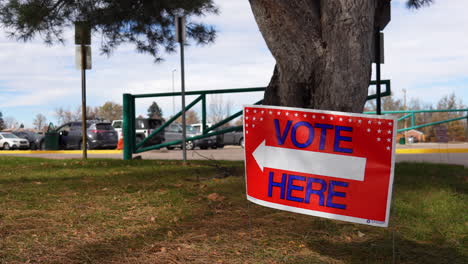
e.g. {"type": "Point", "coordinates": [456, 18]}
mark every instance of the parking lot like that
{"type": "Point", "coordinates": [424, 152]}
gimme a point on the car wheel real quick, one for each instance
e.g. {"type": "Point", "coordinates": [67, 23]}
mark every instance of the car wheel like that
{"type": "Point", "coordinates": [204, 147]}
{"type": "Point", "coordinates": [170, 148]}
{"type": "Point", "coordinates": [241, 142]}
{"type": "Point", "coordinates": [220, 146]}
{"type": "Point", "coordinates": [189, 145]}
{"type": "Point", "coordinates": [214, 147]}
{"type": "Point", "coordinates": [6, 146]}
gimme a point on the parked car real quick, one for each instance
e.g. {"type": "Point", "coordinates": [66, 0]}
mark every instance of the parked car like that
{"type": "Point", "coordinates": [210, 142]}
{"type": "Point", "coordinates": [11, 141]}
{"type": "Point", "coordinates": [30, 136]}
{"type": "Point", "coordinates": [234, 138]}
{"type": "Point", "coordinates": [173, 132]}
{"type": "Point", "coordinates": [100, 135]}
{"type": "Point", "coordinates": [143, 128]}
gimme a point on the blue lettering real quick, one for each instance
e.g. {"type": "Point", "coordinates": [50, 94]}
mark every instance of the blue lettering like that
{"type": "Point", "coordinates": [292, 187]}
{"type": "Point", "coordinates": [323, 135]}
{"type": "Point", "coordinates": [281, 185]}
{"type": "Point", "coordinates": [282, 138]}
{"type": "Point", "coordinates": [310, 191]}
{"type": "Point", "coordinates": [331, 193]}
{"type": "Point", "coordinates": [309, 139]}
{"type": "Point", "coordinates": [339, 138]}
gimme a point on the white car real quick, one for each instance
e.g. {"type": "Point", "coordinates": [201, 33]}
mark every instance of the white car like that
{"type": "Point", "coordinates": [10, 141]}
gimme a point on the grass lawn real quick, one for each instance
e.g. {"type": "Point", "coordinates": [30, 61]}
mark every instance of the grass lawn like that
{"type": "Point", "coordinates": [111, 211]}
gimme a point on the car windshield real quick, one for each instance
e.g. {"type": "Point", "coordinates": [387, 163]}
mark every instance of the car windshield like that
{"type": "Point", "coordinates": [9, 136]}
{"type": "Point", "coordinates": [191, 129]}
{"type": "Point", "coordinates": [196, 129]}
{"type": "Point", "coordinates": [104, 127]}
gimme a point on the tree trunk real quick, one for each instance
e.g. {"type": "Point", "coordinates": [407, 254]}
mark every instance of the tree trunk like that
{"type": "Point", "coordinates": [323, 51]}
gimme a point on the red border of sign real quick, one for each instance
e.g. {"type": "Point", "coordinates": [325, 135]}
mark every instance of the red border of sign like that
{"type": "Point", "coordinates": [323, 214]}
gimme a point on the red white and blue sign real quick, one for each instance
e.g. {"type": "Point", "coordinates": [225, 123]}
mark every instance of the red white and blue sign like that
{"type": "Point", "coordinates": [322, 163]}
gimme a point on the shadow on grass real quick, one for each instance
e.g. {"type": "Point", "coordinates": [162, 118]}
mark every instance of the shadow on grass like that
{"type": "Point", "coordinates": [414, 176]}
{"type": "Point", "coordinates": [380, 250]}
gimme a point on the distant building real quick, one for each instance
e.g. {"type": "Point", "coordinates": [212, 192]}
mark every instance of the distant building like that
{"type": "Point", "coordinates": [414, 136]}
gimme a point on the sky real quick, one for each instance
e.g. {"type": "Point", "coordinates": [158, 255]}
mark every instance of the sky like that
{"type": "Point", "coordinates": [426, 53]}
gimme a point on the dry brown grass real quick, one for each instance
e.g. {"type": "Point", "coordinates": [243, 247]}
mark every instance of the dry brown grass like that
{"type": "Point", "coordinates": [160, 212]}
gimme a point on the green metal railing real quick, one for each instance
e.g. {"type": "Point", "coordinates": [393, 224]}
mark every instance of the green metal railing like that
{"type": "Point", "coordinates": [411, 114]}
{"type": "Point", "coordinates": [131, 147]}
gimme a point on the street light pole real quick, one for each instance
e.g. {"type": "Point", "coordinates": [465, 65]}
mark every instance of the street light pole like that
{"type": "Point", "coordinates": [173, 97]}
{"type": "Point", "coordinates": [180, 37]}
{"type": "Point", "coordinates": [84, 139]}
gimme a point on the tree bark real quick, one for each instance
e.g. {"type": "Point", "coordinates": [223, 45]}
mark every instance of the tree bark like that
{"type": "Point", "coordinates": [323, 51]}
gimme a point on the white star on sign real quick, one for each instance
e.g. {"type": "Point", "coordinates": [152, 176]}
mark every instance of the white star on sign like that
{"type": "Point", "coordinates": [369, 122]}
{"type": "Point", "coordinates": [255, 111]}
{"type": "Point", "coordinates": [313, 116]}
{"type": "Point", "coordinates": [247, 110]}
{"type": "Point", "coordinates": [246, 131]}
{"type": "Point", "coordinates": [263, 112]}
{"type": "Point", "coordinates": [341, 119]}
{"type": "Point", "coordinates": [296, 114]}
{"type": "Point", "coordinates": [368, 130]}
{"type": "Point", "coordinates": [379, 123]}
{"type": "Point", "coordinates": [389, 131]}
{"type": "Point", "coordinates": [254, 118]}
{"type": "Point", "coordinates": [261, 118]}
{"type": "Point", "coordinates": [388, 139]}
{"type": "Point", "coordinates": [246, 118]}
{"type": "Point", "coordinates": [359, 121]}
{"type": "Point", "coordinates": [388, 148]}
{"type": "Point", "coordinates": [271, 112]}
{"type": "Point", "coordinates": [253, 125]}
{"type": "Point", "coordinates": [287, 113]}
{"type": "Point", "coordinates": [323, 117]}
{"type": "Point", "coordinates": [378, 139]}
{"type": "Point", "coordinates": [246, 125]}
{"type": "Point", "coordinates": [279, 113]}
{"type": "Point", "coordinates": [331, 117]}
{"type": "Point", "coordinates": [305, 115]}
{"type": "Point", "coordinates": [389, 123]}
{"type": "Point", "coordinates": [378, 131]}
{"type": "Point", "coordinates": [350, 120]}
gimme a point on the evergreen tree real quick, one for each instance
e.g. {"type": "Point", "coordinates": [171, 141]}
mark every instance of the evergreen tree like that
{"type": "Point", "coordinates": [2, 122]}
{"type": "Point", "coordinates": [148, 24]}
{"type": "Point", "coordinates": [154, 111]}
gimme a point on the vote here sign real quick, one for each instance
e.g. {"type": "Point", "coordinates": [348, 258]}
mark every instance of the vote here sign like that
{"type": "Point", "coordinates": [322, 163]}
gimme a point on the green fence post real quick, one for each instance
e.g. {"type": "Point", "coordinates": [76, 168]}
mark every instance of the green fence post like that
{"type": "Point", "coordinates": [413, 120]}
{"type": "Point", "coordinates": [203, 113]}
{"type": "Point", "coordinates": [127, 126]}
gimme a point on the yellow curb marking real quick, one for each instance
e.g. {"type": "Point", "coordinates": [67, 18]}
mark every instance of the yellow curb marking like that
{"type": "Point", "coordinates": [398, 151]}
{"type": "Point", "coordinates": [61, 152]}
{"type": "Point", "coordinates": [428, 151]}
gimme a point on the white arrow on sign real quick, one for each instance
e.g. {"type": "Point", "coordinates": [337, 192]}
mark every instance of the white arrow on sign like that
{"type": "Point", "coordinates": [304, 161]}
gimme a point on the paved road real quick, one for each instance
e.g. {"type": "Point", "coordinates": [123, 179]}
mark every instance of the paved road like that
{"type": "Point", "coordinates": [237, 153]}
